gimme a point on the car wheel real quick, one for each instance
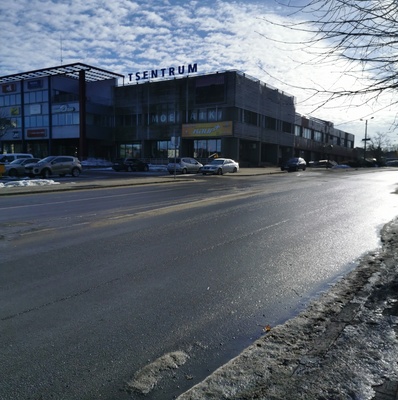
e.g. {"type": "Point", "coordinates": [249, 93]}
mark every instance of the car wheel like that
{"type": "Point", "coordinates": [304, 168]}
{"type": "Point", "coordinates": [219, 171]}
{"type": "Point", "coordinates": [184, 171]}
{"type": "Point", "coordinates": [75, 172]}
{"type": "Point", "coordinates": [13, 173]}
{"type": "Point", "coordinates": [45, 173]}
{"type": "Point", "coordinates": [235, 170]}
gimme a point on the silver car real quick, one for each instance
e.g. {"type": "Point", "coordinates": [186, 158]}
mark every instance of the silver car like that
{"type": "Point", "coordinates": [184, 165]}
{"type": "Point", "coordinates": [55, 165]}
{"type": "Point", "coordinates": [17, 167]}
{"type": "Point", "coordinates": [220, 166]}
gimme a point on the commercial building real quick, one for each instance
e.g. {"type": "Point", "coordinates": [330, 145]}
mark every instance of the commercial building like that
{"type": "Point", "coordinates": [86, 111]}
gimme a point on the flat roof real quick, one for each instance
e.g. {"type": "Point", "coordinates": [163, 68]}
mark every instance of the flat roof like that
{"type": "Point", "coordinates": [93, 74]}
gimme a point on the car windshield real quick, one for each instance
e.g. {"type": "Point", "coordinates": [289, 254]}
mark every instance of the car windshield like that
{"type": "Point", "coordinates": [217, 162]}
{"type": "Point", "coordinates": [19, 161]}
{"type": "Point", "coordinates": [46, 160]}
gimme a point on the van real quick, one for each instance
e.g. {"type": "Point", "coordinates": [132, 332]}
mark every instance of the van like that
{"type": "Point", "coordinates": [7, 158]}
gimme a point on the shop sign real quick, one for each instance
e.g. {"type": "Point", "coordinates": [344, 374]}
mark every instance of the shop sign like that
{"type": "Point", "coordinates": [36, 84]}
{"type": "Point", "coordinates": [163, 72]}
{"type": "Point", "coordinates": [9, 88]}
{"type": "Point", "coordinates": [35, 109]}
{"type": "Point", "coordinates": [63, 108]}
{"type": "Point", "coordinates": [14, 110]}
{"type": "Point", "coordinates": [207, 129]}
{"type": "Point", "coordinates": [164, 118]}
{"type": "Point", "coordinates": [36, 133]}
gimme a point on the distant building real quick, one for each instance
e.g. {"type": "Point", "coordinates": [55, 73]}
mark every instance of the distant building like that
{"type": "Point", "coordinates": [82, 110]}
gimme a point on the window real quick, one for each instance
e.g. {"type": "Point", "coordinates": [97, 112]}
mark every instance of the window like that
{"type": "Point", "coordinates": [61, 119]}
{"type": "Point", "coordinates": [270, 123]}
{"type": "Point", "coordinates": [307, 133]}
{"type": "Point", "coordinates": [39, 96]}
{"type": "Point", "coordinates": [205, 148]}
{"type": "Point", "coordinates": [286, 127]}
{"type": "Point", "coordinates": [248, 117]}
{"type": "Point", "coordinates": [318, 136]}
{"type": "Point", "coordinates": [130, 150]}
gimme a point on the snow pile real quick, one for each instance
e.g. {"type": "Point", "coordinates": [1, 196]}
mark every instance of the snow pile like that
{"type": "Point", "coordinates": [29, 182]}
{"type": "Point", "coordinates": [98, 164]}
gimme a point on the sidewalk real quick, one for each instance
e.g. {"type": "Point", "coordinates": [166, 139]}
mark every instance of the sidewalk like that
{"type": "Point", "coordinates": [130, 180]}
{"type": "Point", "coordinates": [27, 186]}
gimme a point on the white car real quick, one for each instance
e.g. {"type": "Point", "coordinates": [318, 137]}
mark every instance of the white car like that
{"type": "Point", "coordinates": [184, 165]}
{"type": "Point", "coordinates": [220, 166]}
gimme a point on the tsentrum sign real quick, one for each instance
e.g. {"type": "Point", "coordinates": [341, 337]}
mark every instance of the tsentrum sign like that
{"type": "Point", "coordinates": [163, 72]}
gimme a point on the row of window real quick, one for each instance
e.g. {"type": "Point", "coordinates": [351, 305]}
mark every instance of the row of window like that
{"type": "Point", "coordinates": [321, 137]}
{"type": "Point", "coordinates": [166, 148]}
{"type": "Point", "coordinates": [169, 116]}
{"type": "Point", "coordinates": [37, 96]}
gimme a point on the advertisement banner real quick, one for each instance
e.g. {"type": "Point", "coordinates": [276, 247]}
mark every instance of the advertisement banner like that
{"type": "Point", "coordinates": [213, 129]}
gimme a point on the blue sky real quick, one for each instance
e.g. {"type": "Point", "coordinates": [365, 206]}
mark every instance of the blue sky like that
{"type": "Point", "coordinates": [127, 36]}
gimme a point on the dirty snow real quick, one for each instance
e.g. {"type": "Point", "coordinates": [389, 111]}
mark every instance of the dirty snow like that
{"type": "Point", "coordinates": [25, 182]}
{"type": "Point", "coordinates": [146, 379]}
{"type": "Point", "coordinates": [28, 182]}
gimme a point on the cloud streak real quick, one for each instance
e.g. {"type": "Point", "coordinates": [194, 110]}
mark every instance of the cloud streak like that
{"type": "Point", "coordinates": [127, 36]}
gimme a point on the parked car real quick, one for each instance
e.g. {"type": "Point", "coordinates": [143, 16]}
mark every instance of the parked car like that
{"type": "Point", "coordinates": [220, 166]}
{"type": "Point", "coordinates": [184, 165]}
{"type": "Point", "coordinates": [322, 164]}
{"type": "Point", "coordinates": [294, 164]}
{"type": "Point", "coordinates": [130, 164]}
{"type": "Point", "coordinates": [17, 167]}
{"type": "Point", "coordinates": [392, 163]}
{"type": "Point", "coordinates": [55, 165]}
{"type": "Point", "coordinates": [9, 157]}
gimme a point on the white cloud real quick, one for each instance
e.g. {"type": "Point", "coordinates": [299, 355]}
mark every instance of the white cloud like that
{"type": "Point", "coordinates": [127, 36]}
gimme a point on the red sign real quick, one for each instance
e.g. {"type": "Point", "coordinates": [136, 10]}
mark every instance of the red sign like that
{"type": "Point", "coordinates": [35, 133]}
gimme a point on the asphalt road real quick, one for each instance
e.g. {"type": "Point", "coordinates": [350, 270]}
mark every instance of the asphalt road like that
{"type": "Point", "coordinates": [97, 284]}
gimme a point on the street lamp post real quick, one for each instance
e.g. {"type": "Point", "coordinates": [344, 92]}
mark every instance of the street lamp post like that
{"type": "Point", "coordinates": [366, 139]}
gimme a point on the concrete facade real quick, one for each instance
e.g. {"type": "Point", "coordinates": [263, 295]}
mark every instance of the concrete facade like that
{"type": "Point", "coordinates": [84, 111]}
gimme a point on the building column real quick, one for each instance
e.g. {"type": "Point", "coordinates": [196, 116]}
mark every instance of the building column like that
{"type": "Point", "coordinates": [82, 152]}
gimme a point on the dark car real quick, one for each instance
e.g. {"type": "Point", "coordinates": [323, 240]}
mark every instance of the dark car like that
{"type": "Point", "coordinates": [294, 164]}
{"type": "Point", "coordinates": [130, 164]}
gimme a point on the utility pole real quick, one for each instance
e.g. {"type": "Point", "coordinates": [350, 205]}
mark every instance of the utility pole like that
{"type": "Point", "coordinates": [366, 139]}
